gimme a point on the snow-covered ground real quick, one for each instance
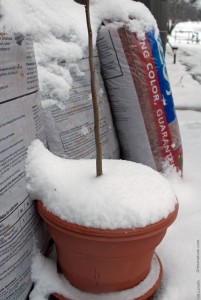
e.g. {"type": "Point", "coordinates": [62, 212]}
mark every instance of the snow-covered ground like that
{"type": "Point", "coordinates": [180, 250]}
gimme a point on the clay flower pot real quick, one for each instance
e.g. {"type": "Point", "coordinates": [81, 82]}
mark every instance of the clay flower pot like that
{"type": "Point", "coordinates": [101, 261]}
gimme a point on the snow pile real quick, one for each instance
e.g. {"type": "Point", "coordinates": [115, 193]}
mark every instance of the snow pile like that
{"type": "Point", "coordinates": [60, 34]}
{"type": "Point", "coordinates": [128, 195]}
{"type": "Point", "coordinates": [48, 281]}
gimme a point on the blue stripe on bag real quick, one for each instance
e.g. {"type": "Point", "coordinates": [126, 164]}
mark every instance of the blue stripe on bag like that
{"type": "Point", "coordinates": [159, 60]}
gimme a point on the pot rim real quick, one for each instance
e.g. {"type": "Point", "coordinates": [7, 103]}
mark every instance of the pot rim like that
{"type": "Point", "coordinates": [65, 226]}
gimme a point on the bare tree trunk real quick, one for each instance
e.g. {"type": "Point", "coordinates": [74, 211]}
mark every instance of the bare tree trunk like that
{"type": "Point", "coordinates": [81, 1]}
{"type": "Point", "coordinates": [94, 96]}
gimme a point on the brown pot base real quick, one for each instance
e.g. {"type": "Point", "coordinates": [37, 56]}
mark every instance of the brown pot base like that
{"type": "Point", "coordinates": [90, 257]}
{"type": "Point", "coordinates": [149, 292]}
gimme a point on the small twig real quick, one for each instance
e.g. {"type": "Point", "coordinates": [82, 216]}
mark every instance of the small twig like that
{"type": "Point", "coordinates": [94, 96]}
{"type": "Point", "coordinates": [180, 81]}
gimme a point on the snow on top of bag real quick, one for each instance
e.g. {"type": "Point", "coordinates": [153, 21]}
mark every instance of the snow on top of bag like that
{"type": "Point", "coordinates": [60, 34]}
{"type": "Point", "coordinates": [128, 195]}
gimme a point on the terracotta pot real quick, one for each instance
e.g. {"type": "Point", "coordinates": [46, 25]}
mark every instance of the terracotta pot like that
{"type": "Point", "coordinates": [97, 260]}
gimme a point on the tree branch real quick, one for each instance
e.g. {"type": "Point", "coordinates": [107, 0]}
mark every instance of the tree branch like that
{"type": "Point", "coordinates": [94, 96]}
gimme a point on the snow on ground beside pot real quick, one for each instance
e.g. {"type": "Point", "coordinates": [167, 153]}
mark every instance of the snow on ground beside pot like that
{"type": "Point", "coordinates": [128, 195]}
{"type": "Point", "coordinates": [60, 35]}
{"type": "Point", "coordinates": [180, 250]}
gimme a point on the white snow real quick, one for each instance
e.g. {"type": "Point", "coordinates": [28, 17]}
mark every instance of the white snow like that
{"type": "Point", "coordinates": [47, 281]}
{"type": "Point", "coordinates": [60, 34]}
{"type": "Point", "coordinates": [128, 195]}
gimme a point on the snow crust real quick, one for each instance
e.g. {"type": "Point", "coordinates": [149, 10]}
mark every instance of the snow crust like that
{"type": "Point", "coordinates": [128, 195]}
{"type": "Point", "coordinates": [60, 35]}
{"type": "Point", "coordinates": [48, 281]}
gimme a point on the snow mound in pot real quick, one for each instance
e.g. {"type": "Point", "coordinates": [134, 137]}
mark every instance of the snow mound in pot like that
{"type": "Point", "coordinates": [128, 195]}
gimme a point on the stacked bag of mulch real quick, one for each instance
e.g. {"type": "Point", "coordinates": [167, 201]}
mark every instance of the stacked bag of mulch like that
{"type": "Point", "coordinates": [140, 96]}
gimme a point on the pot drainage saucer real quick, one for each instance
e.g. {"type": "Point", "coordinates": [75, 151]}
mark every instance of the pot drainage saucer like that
{"type": "Point", "coordinates": [142, 291]}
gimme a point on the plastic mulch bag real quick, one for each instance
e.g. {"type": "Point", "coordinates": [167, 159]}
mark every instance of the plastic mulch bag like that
{"type": "Point", "coordinates": [140, 96]}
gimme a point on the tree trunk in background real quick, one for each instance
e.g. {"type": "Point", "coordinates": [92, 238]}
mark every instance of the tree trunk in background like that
{"type": "Point", "coordinates": [81, 1]}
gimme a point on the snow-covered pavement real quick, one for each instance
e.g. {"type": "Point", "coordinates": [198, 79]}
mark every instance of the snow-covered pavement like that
{"type": "Point", "coordinates": [186, 91]}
